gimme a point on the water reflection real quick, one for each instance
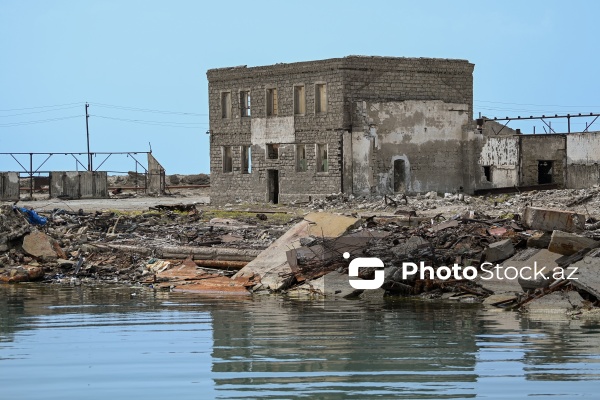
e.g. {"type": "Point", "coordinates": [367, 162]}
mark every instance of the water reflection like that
{"type": "Point", "coordinates": [98, 342]}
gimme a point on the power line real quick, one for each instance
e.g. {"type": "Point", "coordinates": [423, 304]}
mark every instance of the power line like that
{"type": "Point", "coordinates": [38, 112]}
{"type": "Point", "coordinates": [37, 122]}
{"type": "Point", "coordinates": [171, 124]}
{"type": "Point", "coordinates": [35, 108]}
{"type": "Point", "coordinates": [148, 110]}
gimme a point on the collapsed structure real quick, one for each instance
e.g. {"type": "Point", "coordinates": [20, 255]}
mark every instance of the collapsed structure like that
{"type": "Point", "coordinates": [371, 125]}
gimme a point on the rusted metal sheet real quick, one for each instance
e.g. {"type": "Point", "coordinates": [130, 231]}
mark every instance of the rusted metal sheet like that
{"type": "Point", "coordinates": [9, 186]}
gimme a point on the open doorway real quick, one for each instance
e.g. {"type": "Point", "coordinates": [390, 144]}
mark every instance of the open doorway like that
{"type": "Point", "coordinates": [399, 176]}
{"type": "Point", "coordinates": [273, 185]}
{"type": "Point", "coordinates": [545, 168]}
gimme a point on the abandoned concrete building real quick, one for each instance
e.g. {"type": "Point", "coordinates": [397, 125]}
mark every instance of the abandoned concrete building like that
{"type": "Point", "coordinates": [371, 125]}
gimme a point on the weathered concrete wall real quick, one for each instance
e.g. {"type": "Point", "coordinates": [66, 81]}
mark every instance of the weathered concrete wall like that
{"type": "Point", "coordinates": [78, 185]}
{"type": "Point", "coordinates": [9, 186]}
{"type": "Point", "coordinates": [156, 176]}
{"type": "Point", "coordinates": [347, 80]}
{"type": "Point", "coordinates": [583, 159]}
{"type": "Point", "coordinates": [427, 136]}
{"type": "Point", "coordinates": [542, 147]}
{"type": "Point", "coordinates": [501, 155]}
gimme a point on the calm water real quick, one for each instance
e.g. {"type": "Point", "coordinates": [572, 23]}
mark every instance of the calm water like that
{"type": "Point", "coordinates": [99, 343]}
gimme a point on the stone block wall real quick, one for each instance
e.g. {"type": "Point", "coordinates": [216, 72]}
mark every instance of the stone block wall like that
{"type": "Point", "coordinates": [347, 80]}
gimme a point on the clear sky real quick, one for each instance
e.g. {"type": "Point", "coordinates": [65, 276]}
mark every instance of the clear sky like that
{"type": "Point", "coordinates": [142, 64]}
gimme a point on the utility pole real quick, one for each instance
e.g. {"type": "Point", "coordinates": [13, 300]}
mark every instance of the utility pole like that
{"type": "Point", "coordinates": [87, 130]}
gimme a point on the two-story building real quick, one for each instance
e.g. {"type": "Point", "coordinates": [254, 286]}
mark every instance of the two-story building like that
{"type": "Point", "coordinates": [356, 124]}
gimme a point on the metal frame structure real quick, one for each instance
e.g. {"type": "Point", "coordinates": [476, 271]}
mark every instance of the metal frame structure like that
{"type": "Point", "coordinates": [31, 171]}
{"type": "Point", "coordinates": [542, 118]}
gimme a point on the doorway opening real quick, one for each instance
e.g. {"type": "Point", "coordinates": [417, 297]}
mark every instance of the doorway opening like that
{"type": "Point", "coordinates": [399, 176]}
{"type": "Point", "coordinates": [273, 185]}
{"type": "Point", "coordinates": [545, 168]}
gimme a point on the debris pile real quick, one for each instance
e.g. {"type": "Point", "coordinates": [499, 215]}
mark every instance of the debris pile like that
{"type": "Point", "coordinates": [184, 247]}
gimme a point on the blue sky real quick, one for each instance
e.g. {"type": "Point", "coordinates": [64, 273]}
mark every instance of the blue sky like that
{"type": "Point", "coordinates": [142, 64]}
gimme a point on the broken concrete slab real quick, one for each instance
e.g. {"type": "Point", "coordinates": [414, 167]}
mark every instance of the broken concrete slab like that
{"type": "Point", "coordinates": [445, 225]}
{"type": "Point", "coordinates": [539, 240]}
{"type": "Point", "coordinates": [554, 303]}
{"type": "Point", "coordinates": [527, 259]}
{"type": "Point", "coordinates": [330, 225]}
{"type": "Point", "coordinates": [499, 251]}
{"type": "Point", "coordinates": [12, 226]}
{"type": "Point", "coordinates": [587, 274]}
{"type": "Point", "coordinates": [546, 219]}
{"type": "Point", "coordinates": [333, 284]}
{"type": "Point", "coordinates": [40, 245]}
{"type": "Point", "coordinates": [271, 265]}
{"type": "Point", "coordinates": [569, 243]}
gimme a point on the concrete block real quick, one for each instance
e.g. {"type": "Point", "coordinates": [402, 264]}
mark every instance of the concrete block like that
{"type": "Point", "coordinates": [539, 240]}
{"type": "Point", "coordinates": [39, 245]}
{"type": "Point", "coordinates": [499, 251]}
{"type": "Point", "coordinates": [568, 243]}
{"type": "Point", "coordinates": [545, 219]}
{"type": "Point", "coordinates": [587, 275]}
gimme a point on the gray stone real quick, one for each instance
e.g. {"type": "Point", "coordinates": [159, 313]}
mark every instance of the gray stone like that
{"type": "Point", "coordinates": [499, 251]}
{"type": "Point", "coordinates": [569, 243]}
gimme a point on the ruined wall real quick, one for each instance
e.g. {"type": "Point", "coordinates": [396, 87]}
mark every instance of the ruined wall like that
{"type": "Point", "coordinates": [583, 159]}
{"type": "Point", "coordinates": [156, 176]}
{"type": "Point", "coordinates": [535, 148]}
{"type": "Point", "coordinates": [9, 186]}
{"type": "Point", "coordinates": [404, 146]}
{"type": "Point", "coordinates": [78, 184]}
{"type": "Point", "coordinates": [285, 129]}
{"type": "Point", "coordinates": [501, 155]}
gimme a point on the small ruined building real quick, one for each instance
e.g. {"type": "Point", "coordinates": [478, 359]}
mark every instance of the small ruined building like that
{"type": "Point", "coordinates": [368, 125]}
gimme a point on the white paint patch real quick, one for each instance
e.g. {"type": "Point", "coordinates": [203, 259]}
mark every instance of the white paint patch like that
{"type": "Point", "coordinates": [500, 151]}
{"type": "Point", "coordinates": [272, 130]}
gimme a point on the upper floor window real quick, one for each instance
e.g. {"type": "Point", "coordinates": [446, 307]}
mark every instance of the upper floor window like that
{"type": "Point", "coordinates": [225, 104]}
{"type": "Point", "coordinates": [320, 98]}
{"type": "Point", "coordinates": [245, 103]}
{"type": "Point", "coordinates": [272, 106]}
{"type": "Point", "coordinates": [299, 100]}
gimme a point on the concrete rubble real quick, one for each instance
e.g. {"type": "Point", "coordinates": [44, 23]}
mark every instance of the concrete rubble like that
{"type": "Point", "coordinates": [301, 250]}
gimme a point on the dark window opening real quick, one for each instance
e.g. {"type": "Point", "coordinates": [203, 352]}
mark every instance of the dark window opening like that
{"type": "Point", "coordinates": [487, 171]}
{"type": "Point", "coordinates": [272, 151]}
{"type": "Point", "coordinates": [246, 160]}
{"type": "Point", "coordinates": [545, 168]}
{"type": "Point", "coordinates": [227, 159]}
{"type": "Point", "coordinates": [322, 158]}
{"type": "Point", "coordinates": [272, 103]}
{"type": "Point", "coordinates": [245, 103]}
{"type": "Point", "coordinates": [300, 158]}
